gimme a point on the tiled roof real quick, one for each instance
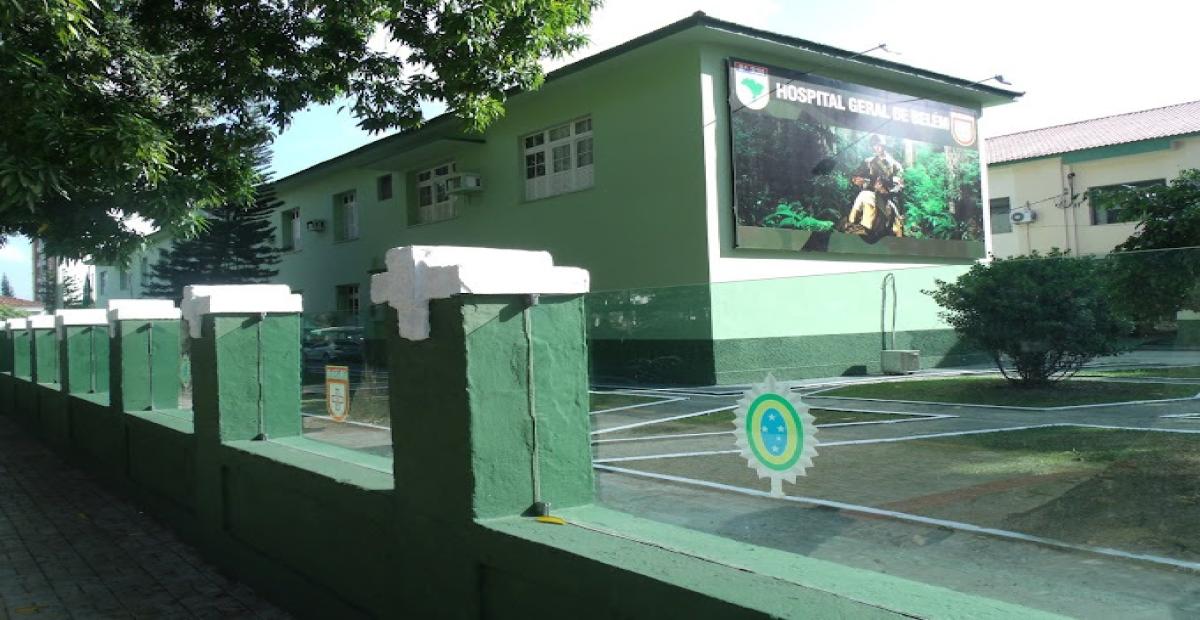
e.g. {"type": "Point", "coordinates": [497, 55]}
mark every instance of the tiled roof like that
{"type": "Point", "coordinates": [16, 302]}
{"type": "Point", "coordinates": [1173, 120]}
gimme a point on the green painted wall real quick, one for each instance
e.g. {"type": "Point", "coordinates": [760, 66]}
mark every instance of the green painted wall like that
{"type": "Point", "coordinates": [638, 225]}
{"type": "Point", "coordinates": [328, 532]}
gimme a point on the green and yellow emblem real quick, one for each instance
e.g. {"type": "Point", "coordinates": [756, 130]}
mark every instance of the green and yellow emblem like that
{"type": "Point", "coordinates": [775, 433]}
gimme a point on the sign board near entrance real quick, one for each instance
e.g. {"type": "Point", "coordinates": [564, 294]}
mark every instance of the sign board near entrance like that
{"type": "Point", "coordinates": [822, 165]}
{"type": "Point", "coordinates": [337, 392]}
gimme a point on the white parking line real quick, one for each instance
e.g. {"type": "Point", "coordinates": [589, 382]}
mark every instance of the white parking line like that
{"type": "Point", "coordinates": [916, 417]}
{"type": "Point", "coordinates": [660, 420]}
{"type": "Point", "coordinates": [830, 444]}
{"type": "Point", "coordinates": [636, 406]}
{"type": "Point", "coordinates": [350, 422]}
{"type": "Point", "coordinates": [904, 516]}
{"type": "Point", "coordinates": [660, 437]}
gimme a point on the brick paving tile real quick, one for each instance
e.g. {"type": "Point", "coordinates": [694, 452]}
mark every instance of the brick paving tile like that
{"type": "Point", "coordinates": [69, 549]}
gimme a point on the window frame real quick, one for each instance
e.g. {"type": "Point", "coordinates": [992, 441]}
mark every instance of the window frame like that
{"type": "Point", "coordinates": [384, 182]}
{"type": "Point", "coordinates": [291, 230]}
{"type": "Point", "coordinates": [346, 216]}
{"type": "Point", "coordinates": [434, 178]}
{"type": "Point", "coordinates": [1099, 192]}
{"type": "Point", "coordinates": [353, 293]}
{"type": "Point", "coordinates": [552, 162]}
{"type": "Point", "coordinates": [993, 204]}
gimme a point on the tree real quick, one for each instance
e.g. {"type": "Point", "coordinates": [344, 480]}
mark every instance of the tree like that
{"type": "Point", "coordinates": [157, 106]}
{"type": "Point", "coordinates": [89, 299]}
{"type": "Point", "coordinates": [1040, 318]}
{"type": "Point", "coordinates": [47, 293]}
{"type": "Point", "coordinates": [6, 288]}
{"type": "Point", "coordinates": [1151, 277]}
{"type": "Point", "coordinates": [70, 293]}
{"type": "Point", "coordinates": [237, 246]}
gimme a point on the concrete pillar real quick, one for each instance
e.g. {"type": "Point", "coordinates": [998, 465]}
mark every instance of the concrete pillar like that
{"type": "Point", "coordinates": [23, 400]}
{"type": "Point", "coordinates": [44, 348]}
{"type": "Point", "coordinates": [7, 359]}
{"type": "Point", "coordinates": [83, 350]}
{"type": "Point", "coordinates": [144, 354]}
{"type": "Point", "coordinates": [18, 330]}
{"type": "Point", "coordinates": [483, 423]}
{"type": "Point", "coordinates": [6, 356]}
{"type": "Point", "coordinates": [490, 389]}
{"type": "Point", "coordinates": [245, 343]}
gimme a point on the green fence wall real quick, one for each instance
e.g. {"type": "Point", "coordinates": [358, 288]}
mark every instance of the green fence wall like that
{"type": "Point", "coordinates": [443, 530]}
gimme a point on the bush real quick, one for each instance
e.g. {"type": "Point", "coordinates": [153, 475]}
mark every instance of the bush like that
{"type": "Point", "coordinates": [1040, 318]}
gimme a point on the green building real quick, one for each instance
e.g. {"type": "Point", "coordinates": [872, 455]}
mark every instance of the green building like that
{"type": "Point", "coordinates": [623, 163]}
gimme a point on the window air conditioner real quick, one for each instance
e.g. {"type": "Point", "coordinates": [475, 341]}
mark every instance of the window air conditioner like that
{"type": "Point", "coordinates": [463, 183]}
{"type": "Point", "coordinates": [1024, 215]}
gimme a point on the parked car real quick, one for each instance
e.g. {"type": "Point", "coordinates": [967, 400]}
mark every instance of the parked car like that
{"type": "Point", "coordinates": [330, 344]}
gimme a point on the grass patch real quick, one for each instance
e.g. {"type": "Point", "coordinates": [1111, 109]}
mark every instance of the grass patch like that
{"type": "Point", "coordinates": [996, 391]}
{"type": "Point", "coordinates": [607, 400]}
{"type": "Point", "coordinates": [1143, 496]}
{"type": "Point", "coordinates": [1180, 372]}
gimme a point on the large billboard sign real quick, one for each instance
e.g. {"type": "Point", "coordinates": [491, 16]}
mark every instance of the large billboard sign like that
{"type": "Point", "coordinates": [821, 165]}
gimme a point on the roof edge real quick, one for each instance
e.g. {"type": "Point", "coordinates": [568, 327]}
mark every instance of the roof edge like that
{"type": "Point", "coordinates": [697, 19]}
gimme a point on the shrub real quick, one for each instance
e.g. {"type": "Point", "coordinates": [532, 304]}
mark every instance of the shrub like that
{"type": "Point", "coordinates": [1040, 318]}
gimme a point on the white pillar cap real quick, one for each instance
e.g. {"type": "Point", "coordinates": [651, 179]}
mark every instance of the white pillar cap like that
{"type": "Point", "coordinates": [79, 317]}
{"type": "Point", "coordinates": [41, 321]}
{"type": "Point", "coordinates": [142, 310]}
{"type": "Point", "coordinates": [236, 299]}
{"type": "Point", "coordinates": [417, 274]}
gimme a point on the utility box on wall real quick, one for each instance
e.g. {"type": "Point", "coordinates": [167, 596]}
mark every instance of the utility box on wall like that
{"type": "Point", "coordinates": [900, 361]}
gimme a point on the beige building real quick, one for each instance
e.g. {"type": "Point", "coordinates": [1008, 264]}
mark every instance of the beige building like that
{"type": "Point", "coordinates": [1047, 185]}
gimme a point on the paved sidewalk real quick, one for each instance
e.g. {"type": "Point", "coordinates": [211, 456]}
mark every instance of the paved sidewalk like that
{"type": "Point", "coordinates": [70, 549]}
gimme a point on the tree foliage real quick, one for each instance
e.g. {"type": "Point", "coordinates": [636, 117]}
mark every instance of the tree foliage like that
{"type": "Point", "coordinates": [6, 288]}
{"type": "Point", "coordinates": [1039, 318]}
{"type": "Point", "coordinates": [156, 106]}
{"type": "Point", "coordinates": [1151, 278]}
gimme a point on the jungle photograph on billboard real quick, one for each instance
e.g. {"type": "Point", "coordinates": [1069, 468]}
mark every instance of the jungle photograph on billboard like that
{"type": "Point", "coordinates": [823, 165]}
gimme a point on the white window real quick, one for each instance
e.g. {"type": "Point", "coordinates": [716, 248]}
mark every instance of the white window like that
{"type": "Point", "coordinates": [558, 160]}
{"type": "Point", "coordinates": [292, 229]}
{"type": "Point", "coordinates": [434, 202]}
{"type": "Point", "coordinates": [346, 216]}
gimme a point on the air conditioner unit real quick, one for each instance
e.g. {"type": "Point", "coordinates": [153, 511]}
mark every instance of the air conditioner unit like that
{"type": "Point", "coordinates": [1024, 215]}
{"type": "Point", "coordinates": [900, 361]}
{"type": "Point", "coordinates": [464, 183]}
{"type": "Point", "coordinates": [315, 225]}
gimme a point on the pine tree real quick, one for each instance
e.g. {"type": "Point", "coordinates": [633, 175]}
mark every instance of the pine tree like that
{"type": "Point", "coordinates": [71, 297]}
{"type": "Point", "coordinates": [89, 299]}
{"type": "Point", "coordinates": [236, 247]}
{"type": "Point", "coordinates": [6, 288]}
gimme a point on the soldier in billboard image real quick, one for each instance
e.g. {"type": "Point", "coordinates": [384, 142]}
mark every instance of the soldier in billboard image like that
{"type": "Point", "coordinates": [876, 210]}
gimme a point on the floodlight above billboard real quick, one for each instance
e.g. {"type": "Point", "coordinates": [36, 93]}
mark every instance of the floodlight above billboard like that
{"type": "Point", "coordinates": [822, 165]}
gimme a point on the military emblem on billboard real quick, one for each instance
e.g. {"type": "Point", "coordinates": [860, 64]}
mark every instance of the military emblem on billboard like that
{"type": "Point", "coordinates": [752, 85]}
{"type": "Point", "coordinates": [775, 433]}
{"type": "Point", "coordinates": [337, 392]}
{"type": "Point", "coordinates": [962, 128]}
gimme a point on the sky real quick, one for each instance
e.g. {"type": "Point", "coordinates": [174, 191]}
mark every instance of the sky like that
{"type": "Point", "coordinates": [1074, 60]}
